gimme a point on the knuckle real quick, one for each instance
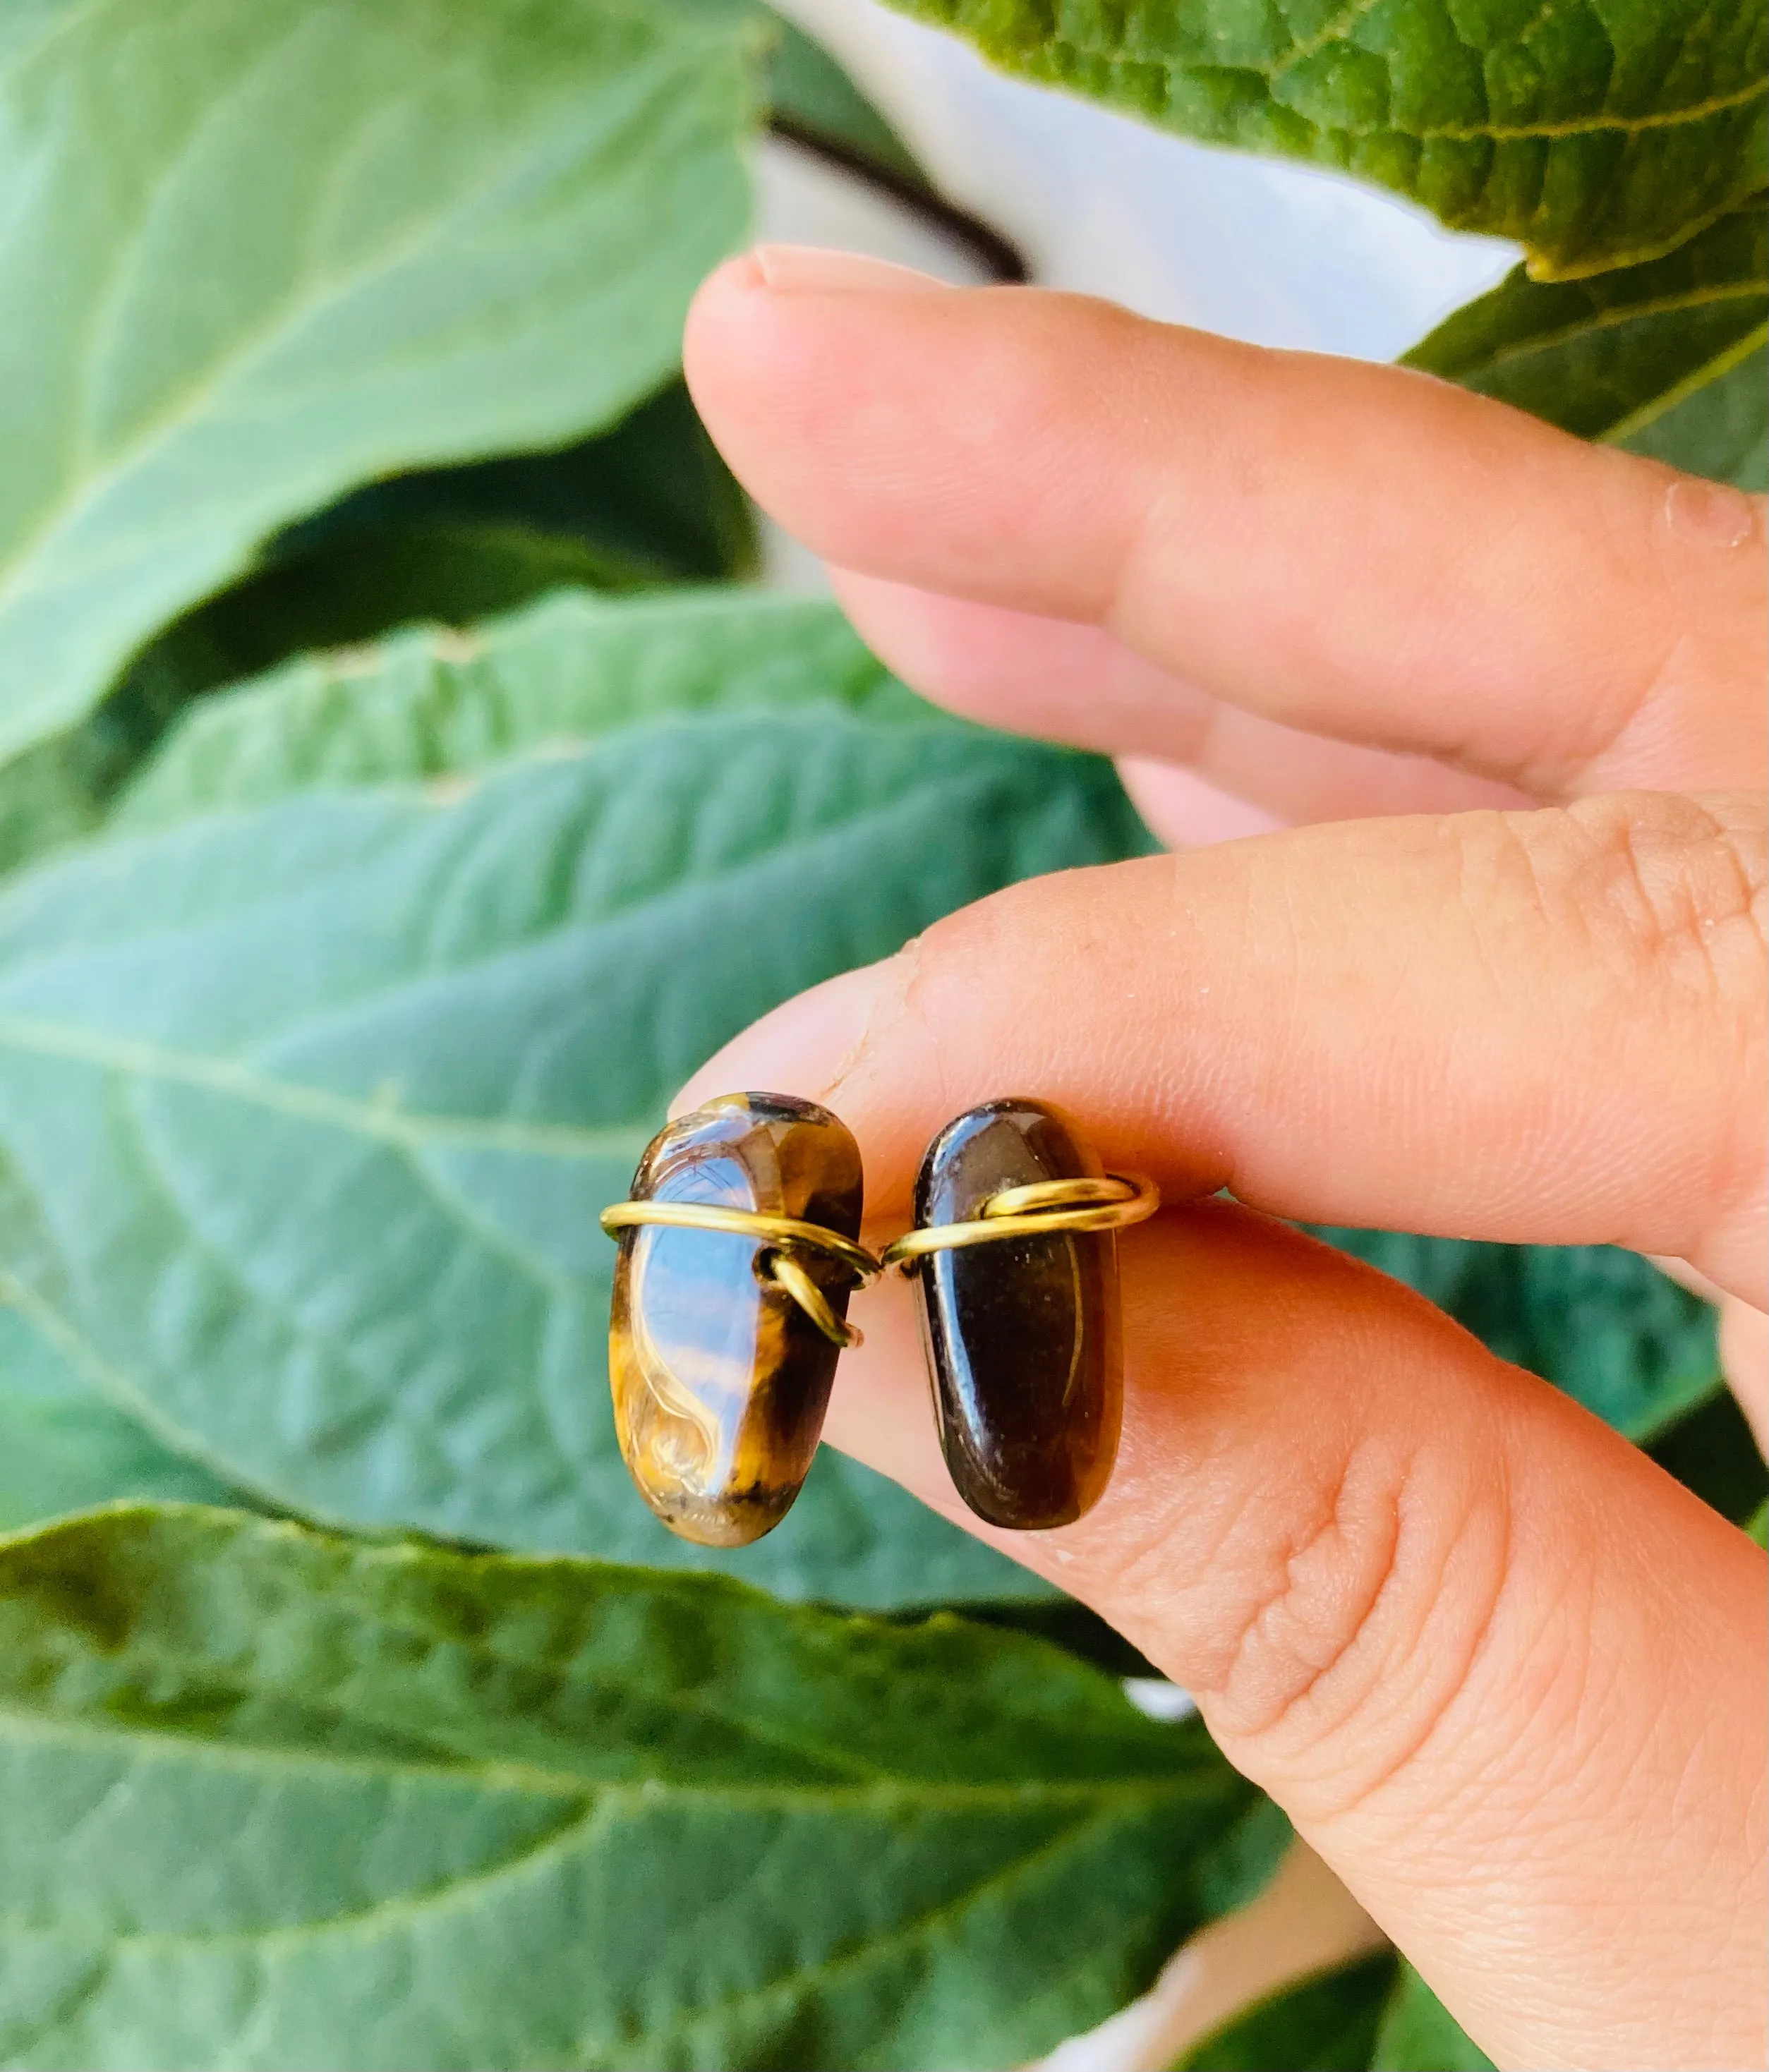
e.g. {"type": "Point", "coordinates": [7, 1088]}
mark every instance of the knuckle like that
{"type": "Point", "coordinates": [1658, 890]}
{"type": "Point", "coordinates": [1328, 1607]}
{"type": "Point", "coordinates": [1364, 1628]}
{"type": "Point", "coordinates": [1675, 886]}
{"type": "Point", "coordinates": [1687, 565]}
{"type": "Point", "coordinates": [1650, 909]}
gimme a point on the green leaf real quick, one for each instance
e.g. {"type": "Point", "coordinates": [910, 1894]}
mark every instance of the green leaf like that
{"type": "Point", "coordinates": [62, 1447]}
{"type": "Point", "coordinates": [1603, 1324]}
{"type": "Point", "coordinates": [428, 705]}
{"type": "Point", "coordinates": [1374, 2015]}
{"type": "Point", "coordinates": [313, 1083]}
{"type": "Point", "coordinates": [1419, 2034]}
{"type": "Point", "coordinates": [334, 594]}
{"type": "Point", "coordinates": [1667, 359]}
{"type": "Point", "coordinates": [1596, 138]}
{"type": "Point", "coordinates": [276, 1799]}
{"type": "Point", "coordinates": [1325, 2022]}
{"type": "Point", "coordinates": [256, 255]}
{"type": "Point", "coordinates": [1757, 1525]}
{"type": "Point", "coordinates": [1712, 1450]}
{"type": "Point", "coordinates": [650, 501]}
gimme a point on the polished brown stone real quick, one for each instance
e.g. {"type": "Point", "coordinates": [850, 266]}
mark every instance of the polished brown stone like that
{"type": "Point", "coordinates": [1022, 1334]}
{"type": "Point", "coordinates": [720, 1379]}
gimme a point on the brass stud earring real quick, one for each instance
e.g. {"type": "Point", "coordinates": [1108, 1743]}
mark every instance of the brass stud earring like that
{"type": "Point", "coordinates": [739, 1247]}
{"type": "Point", "coordinates": [1016, 1260]}
{"type": "Point", "coordinates": [739, 1250]}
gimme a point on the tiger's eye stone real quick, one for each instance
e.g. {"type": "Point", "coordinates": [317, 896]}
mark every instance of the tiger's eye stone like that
{"type": "Point", "coordinates": [720, 1379]}
{"type": "Point", "coordinates": [1022, 1334]}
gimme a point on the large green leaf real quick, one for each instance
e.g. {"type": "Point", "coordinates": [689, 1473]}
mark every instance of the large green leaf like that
{"type": "Point", "coordinates": [1712, 1449]}
{"type": "Point", "coordinates": [272, 1800]}
{"type": "Point", "coordinates": [648, 502]}
{"type": "Point", "coordinates": [1669, 358]}
{"type": "Point", "coordinates": [444, 703]}
{"type": "Point", "coordinates": [1595, 134]}
{"type": "Point", "coordinates": [251, 256]}
{"type": "Point", "coordinates": [1376, 2014]}
{"type": "Point", "coordinates": [1604, 1325]}
{"type": "Point", "coordinates": [312, 1084]}
{"type": "Point", "coordinates": [1420, 2034]}
{"type": "Point", "coordinates": [1325, 2022]}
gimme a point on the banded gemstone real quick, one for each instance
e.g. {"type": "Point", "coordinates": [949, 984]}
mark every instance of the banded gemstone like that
{"type": "Point", "coordinates": [1022, 1334]}
{"type": "Point", "coordinates": [720, 1379]}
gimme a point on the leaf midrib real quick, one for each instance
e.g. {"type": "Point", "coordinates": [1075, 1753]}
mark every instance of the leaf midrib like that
{"type": "Point", "coordinates": [410, 1129]}
{"type": "Point", "coordinates": [23, 1728]}
{"type": "Point", "coordinates": [762, 1735]}
{"type": "Point", "coordinates": [916, 1928]}
{"type": "Point", "coordinates": [1703, 376]}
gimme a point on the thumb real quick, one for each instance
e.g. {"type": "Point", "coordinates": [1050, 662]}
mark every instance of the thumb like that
{"type": "Point", "coordinates": [1504, 1674]}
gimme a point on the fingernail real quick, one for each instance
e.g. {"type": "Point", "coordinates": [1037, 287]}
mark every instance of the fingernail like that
{"type": "Point", "coordinates": [789, 269]}
{"type": "Point", "coordinates": [805, 1046]}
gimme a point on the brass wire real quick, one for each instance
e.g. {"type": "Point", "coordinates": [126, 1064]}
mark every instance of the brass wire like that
{"type": "Point", "coordinates": [786, 1273]}
{"type": "Point", "coordinates": [782, 1234]}
{"type": "Point", "coordinates": [1039, 1210]}
{"type": "Point", "coordinates": [1042, 1209]}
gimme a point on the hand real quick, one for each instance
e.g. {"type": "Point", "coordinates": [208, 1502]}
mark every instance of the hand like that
{"type": "Point", "coordinates": [1504, 979]}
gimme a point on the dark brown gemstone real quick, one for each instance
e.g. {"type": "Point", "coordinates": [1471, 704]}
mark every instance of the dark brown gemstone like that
{"type": "Point", "coordinates": [720, 1379]}
{"type": "Point", "coordinates": [1023, 1332]}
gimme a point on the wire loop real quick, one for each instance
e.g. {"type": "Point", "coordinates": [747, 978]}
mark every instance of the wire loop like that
{"type": "Point", "coordinates": [1044, 1208]}
{"type": "Point", "coordinates": [781, 1235]}
{"type": "Point", "coordinates": [784, 1272]}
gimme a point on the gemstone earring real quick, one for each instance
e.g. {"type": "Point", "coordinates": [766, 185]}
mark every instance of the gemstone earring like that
{"type": "Point", "coordinates": [738, 1253]}
{"type": "Point", "coordinates": [1016, 1260]}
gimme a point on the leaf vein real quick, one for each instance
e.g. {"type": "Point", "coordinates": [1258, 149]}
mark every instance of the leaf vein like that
{"type": "Point", "coordinates": [1714, 370]}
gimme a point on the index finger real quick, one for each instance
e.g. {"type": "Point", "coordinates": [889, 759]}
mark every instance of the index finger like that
{"type": "Point", "coordinates": [1543, 1027]}
{"type": "Point", "coordinates": [1357, 551]}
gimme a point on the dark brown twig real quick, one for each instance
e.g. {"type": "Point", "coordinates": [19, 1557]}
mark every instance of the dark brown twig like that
{"type": "Point", "coordinates": [1001, 261]}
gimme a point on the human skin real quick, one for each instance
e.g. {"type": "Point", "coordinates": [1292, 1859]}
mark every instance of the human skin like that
{"type": "Point", "coordinates": [1497, 971]}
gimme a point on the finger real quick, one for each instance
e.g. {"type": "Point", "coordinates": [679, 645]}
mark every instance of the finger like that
{"type": "Point", "coordinates": [1542, 1027]}
{"type": "Point", "coordinates": [1505, 1675]}
{"type": "Point", "coordinates": [1744, 1360]}
{"type": "Point", "coordinates": [1075, 683]}
{"type": "Point", "coordinates": [1743, 1345]}
{"type": "Point", "coordinates": [1352, 550]}
{"type": "Point", "coordinates": [1182, 810]}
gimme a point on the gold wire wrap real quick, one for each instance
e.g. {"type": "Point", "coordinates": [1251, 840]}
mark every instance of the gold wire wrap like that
{"type": "Point", "coordinates": [780, 1234]}
{"type": "Point", "coordinates": [1040, 1210]}
{"type": "Point", "coordinates": [786, 1273]}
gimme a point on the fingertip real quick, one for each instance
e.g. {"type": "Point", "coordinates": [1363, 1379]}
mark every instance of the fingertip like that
{"type": "Point", "coordinates": [755, 286]}
{"type": "Point", "coordinates": [713, 326]}
{"type": "Point", "coordinates": [819, 269]}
